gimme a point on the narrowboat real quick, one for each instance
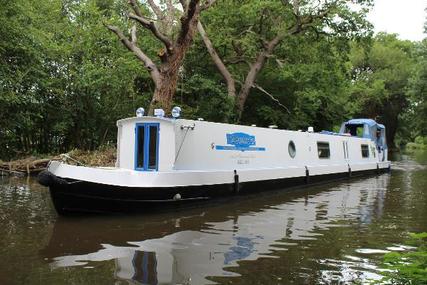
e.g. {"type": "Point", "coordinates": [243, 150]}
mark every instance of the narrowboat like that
{"type": "Point", "coordinates": [169, 162]}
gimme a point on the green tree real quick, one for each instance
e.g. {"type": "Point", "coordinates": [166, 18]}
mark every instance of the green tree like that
{"type": "Point", "coordinates": [100, 83]}
{"type": "Point", "coordinates": [309, 79]}
{"type": "Point", "coordinates": [25, 74]}
{"type": "Point", "coordinates": [417, 91]}
{"type": "Point", "coordinates": [64, 79]}
{"type": "Point", "coordinates": [257, 28]}
{"type": "Point", "coordinates": [164, 72]}
{"type": "Point", "coordinates": [381, 72]}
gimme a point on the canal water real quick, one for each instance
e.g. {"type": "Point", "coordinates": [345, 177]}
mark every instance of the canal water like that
{"type": "Point", "coordinates": [334, 233]}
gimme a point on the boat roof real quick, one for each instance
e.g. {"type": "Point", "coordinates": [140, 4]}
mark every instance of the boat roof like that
{"type": "Point", "coordinates": [369, 122]}
{"type": "Point", "coordinates": [142, 119]}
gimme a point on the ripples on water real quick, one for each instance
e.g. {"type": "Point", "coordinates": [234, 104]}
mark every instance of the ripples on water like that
{"type": "Point", "coordinates": [329, 234]}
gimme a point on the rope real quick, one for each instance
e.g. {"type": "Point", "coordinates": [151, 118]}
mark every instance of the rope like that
{"type": "Point", "coordinates": [182, 143]}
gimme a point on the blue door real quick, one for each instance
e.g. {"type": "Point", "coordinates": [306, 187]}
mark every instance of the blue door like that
{"type": "Point", "coordinates": [147, 146]}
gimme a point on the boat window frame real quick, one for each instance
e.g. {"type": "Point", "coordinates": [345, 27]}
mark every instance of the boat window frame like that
{"type": "Point", "coordinates": [146, 147]}
{"type": "Point", "coordinates": [329, 149]}
{"type": "Point", "coordinates": [139, 128]}
{"type": "Point", "coordinates": [292, 145]}
{"type": "Point", "coordinates": [366, 150]}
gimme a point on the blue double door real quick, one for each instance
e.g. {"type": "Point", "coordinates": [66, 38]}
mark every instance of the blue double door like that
{"type": "Point", "coordinates": [147, 146]}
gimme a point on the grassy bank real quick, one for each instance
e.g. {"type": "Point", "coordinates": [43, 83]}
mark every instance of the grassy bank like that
{"type": "Point", "coordinates": [31, 165]}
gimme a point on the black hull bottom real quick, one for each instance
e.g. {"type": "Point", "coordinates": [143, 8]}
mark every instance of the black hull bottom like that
{"type": "Point", "coordinates": [70, 196]}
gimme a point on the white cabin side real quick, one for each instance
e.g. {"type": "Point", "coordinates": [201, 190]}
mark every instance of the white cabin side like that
{"type": "Point", "coordinates": [161, 144]}
{"type": "Point", "coordinates": [127, 143]}
{"type": "Point", "coordinates": [207, 147]}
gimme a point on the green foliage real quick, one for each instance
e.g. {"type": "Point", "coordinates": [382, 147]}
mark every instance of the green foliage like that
{"type": "Point", "coordinates": [65, 79]}
{"type": "Point", "coordinates": [421, 140]}
{"type": "Point", "coordinates": [409, 267]}
{"type": "Point", "coordinates": [312, 82]}
{"type": "Point", "coordinates": [420, 143]}
{"type": "Point", "coordinates": [381, 72]}
{"type": "Point", "coordinates": [417, 91]}
{"type": "Point", "coordinates": [204, 98]}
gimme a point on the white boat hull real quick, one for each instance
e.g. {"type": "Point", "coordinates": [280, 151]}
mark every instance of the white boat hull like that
{"type": "Point", "coordinates": [75, 193]}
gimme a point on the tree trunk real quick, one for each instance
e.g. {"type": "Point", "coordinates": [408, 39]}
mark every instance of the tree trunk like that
{"type": "Point", "coordinates": [163, 93]}
{"type": "Point", "coordinates": [249, 82]}
{"type": "Point", "coordinates": [253, 73]}
{"type": "Point", "coordinates": [165, 77]}
{"type": "Point", "coordinates": [166, 85]}
{"type": "Point", "coordinates": [169, 70]}
{"type": "Point", "coordinates": [231, 84]}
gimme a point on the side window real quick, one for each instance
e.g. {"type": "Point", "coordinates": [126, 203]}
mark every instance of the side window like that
{"type": "Point", "coordinates": [292, 149]}
{"type": "Point", "coordinates": [153, 146]}
{"type": "Point", "coordinates": [140, 142]}
{"type": "Point", "coordinates": [323, 150]}
{"type": "Point", "coordinates": [365, 150]}
{"type": "Point", "coordinates": [355, 130]}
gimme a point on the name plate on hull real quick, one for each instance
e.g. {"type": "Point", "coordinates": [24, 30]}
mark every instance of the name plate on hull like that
{"type": "Point", "coordinates": [240, 142]}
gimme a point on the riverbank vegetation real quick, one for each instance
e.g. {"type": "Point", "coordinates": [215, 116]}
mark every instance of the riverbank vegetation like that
{"type": "Point", "coordinates": [70, 68]}
{"type": "Point", "coordinates": [408, 267]}
{"type": "Point", "coordinates": [420, 143]}
{"type": "Point", "coordinates": [104, 156]}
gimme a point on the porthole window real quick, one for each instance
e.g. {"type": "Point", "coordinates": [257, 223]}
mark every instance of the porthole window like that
{"type": "Point", "coordinates": [291, 149]}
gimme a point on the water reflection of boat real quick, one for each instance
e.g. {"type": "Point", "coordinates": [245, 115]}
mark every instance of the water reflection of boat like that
{"type": "Point", "coordinates": [204, 243]}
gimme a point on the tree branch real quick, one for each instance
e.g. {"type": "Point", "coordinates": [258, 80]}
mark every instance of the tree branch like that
{"type": "Point", "coordinates": [317, 32]}
{"type": "Point", "coordinates": [133, 34]}
{"type": "Point", "coordinates": [296, 7]}
{"type": "Point", "coordinates": [157, 11]}
{"type": "Point", "coordinates": [320, 15]}
{"type": "Point", "coordinates": [148, 63]}
{"type": "Point", "coordinates": [237, 48]}
{"type": "Point", "coordinates": [152, 27]}
{"type": "Point", "coordinates": [184, 4]}
{"type": "Point", "coordinates": [191, 11]}
{"type": "Point", "coordinates": [279, 62]}
{"type": "Point", "coordinates": [237, 60]}
{"type": "Point", "coordinates": [208, 4]}
{"type": "Point", "coordinates": [271, 97]}
{"type": "Point", "coordinates": [135, 8]}
{"type": "Point", "coordinates": [231, 85]}
{"type": "Point", "coordinates": [171, 8]}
